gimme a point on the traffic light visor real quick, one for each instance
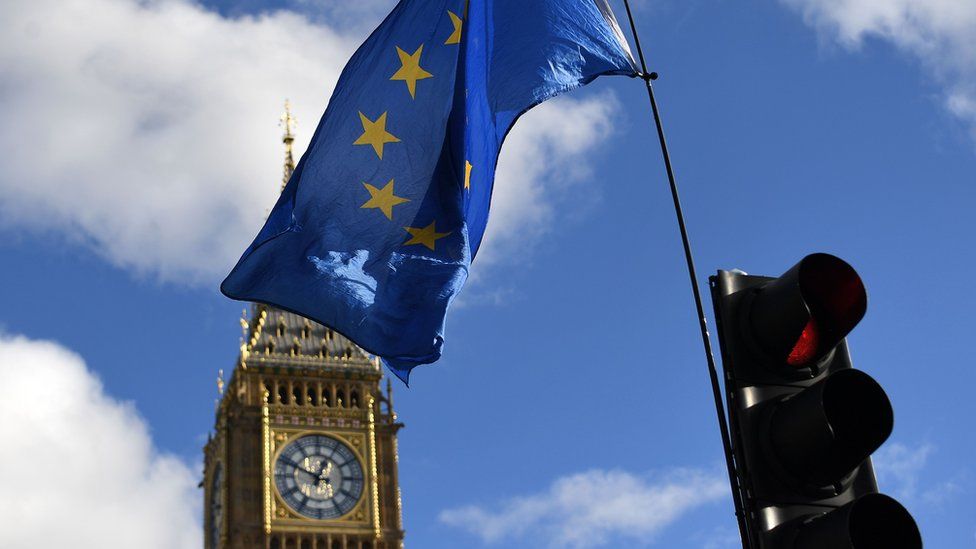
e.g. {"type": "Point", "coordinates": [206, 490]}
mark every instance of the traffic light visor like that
{"type": "Point", "coordinates": [874, 521]}
{"type": "Point", "coordinates": [800, 316]}
{"type": "Point", "coordinates": [824, 432]}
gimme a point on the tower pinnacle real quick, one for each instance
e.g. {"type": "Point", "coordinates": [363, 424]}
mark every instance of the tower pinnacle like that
{"type": "Point", "coordinates": [288, 122]}
{"type": "Point", "coordinates": [299, 386]}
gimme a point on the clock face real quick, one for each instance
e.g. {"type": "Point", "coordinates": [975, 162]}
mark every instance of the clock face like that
{"type": "Point", "coordinates": [319, 477]}
{"type": "Point", "coordinates": [216, 505]}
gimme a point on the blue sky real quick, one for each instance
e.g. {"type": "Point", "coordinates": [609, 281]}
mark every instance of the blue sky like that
{"type": "Point", "coordinates": [143, 152]}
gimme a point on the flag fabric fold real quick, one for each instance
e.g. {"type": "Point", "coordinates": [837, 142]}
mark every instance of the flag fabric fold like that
{"type": "Point", "coordinates": [375, 231]}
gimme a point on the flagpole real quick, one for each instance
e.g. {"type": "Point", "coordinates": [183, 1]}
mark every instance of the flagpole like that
{"type": "Point", "coordinates": [702, 320]}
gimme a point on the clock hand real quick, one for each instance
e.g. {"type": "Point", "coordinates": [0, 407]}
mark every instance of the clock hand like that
{"type": "Point", "coordinates": [298, 466]}
{"type": "Point", "coordinates": [302, 468]}
{"type": "Point", "coordinates": [324, 487]}
{"type": "Point", "coordinates": [326, 470]}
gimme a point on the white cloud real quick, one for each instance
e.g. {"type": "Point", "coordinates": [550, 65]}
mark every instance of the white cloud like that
{"type": "Point", "coordinates": [941, 34]}
{"type": "Point", "coordinates": [540, 167]}
{"type": "Point", "coordinates": [537, 186]}
{"type": "Point", "coordinates": [79, 468]}
{"type": "Point", "coordinates": [361, 14]}
{"type": "Point", "coordinates": [146, 129]}
{"type": "Point", "coordinates": [900, 472]}
{"type": "Point", "coordinates": [900, 466]}
{"type": "Point", "coordinates": [593, 508]}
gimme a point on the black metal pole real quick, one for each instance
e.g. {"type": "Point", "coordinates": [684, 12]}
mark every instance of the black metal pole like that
{"type": "Point", "coordinates": [702, 321]}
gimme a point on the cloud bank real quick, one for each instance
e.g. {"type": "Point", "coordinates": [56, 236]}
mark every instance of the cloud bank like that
{"type": "Point", "coordinates": [79, 468]}
{"type": "Point", "coordinates": [146, 129]}
{"type": "Point", "coordinates": [940, 34]}
{"type": "Point", "coordinates": [592, 509]}
{"type": "Point", "coordinates": [542, 162]}
{"type": "Point", "coordinates": [904, 473]}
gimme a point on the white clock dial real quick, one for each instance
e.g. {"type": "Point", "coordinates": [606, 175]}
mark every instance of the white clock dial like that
{"type": "Point", "coordinates": [319, 477]}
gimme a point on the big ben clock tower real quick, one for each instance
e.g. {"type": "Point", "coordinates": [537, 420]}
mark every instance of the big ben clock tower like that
{"type": "Point", "coordinates": [304, 453]}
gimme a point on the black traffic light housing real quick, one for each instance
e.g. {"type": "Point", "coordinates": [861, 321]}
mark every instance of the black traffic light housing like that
{"type": "Point", "coordinates": [803, 422]}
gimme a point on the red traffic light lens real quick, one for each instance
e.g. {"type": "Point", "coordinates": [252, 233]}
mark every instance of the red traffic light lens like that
{"type": "Point", "coordinates": [801, 316]}
{"type": "Point", "coordinates": [836, 300]}
{"type": "Point", "coordinates": [806, 346]}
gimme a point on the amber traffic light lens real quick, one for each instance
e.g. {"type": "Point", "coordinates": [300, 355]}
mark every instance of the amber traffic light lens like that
{"type": "Point", "coordinates": [824, 432]}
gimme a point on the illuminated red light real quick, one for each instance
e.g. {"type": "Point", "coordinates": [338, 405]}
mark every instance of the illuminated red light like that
{"type": "Point", "coordinates": [805, 348]}
{"type": "Point", "coordinates": [799, 317]}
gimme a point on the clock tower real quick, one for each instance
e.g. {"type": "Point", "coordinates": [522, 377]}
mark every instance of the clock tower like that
{"type": "Point", "coordinates": [304, 449]}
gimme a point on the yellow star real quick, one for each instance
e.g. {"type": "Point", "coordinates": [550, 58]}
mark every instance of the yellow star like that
{"type": "Point", "coordinates": [427, 236]}
{"type": "Point", "coordinates": [375, 134]}
{"type": "Point", "coordinates": [384, 199]}
{"type": "Point", "coordinates": [467, 174]}
{"type": "Point", "coordinates": [455, 37]}
{"type": "Point", "coordinates": [410, 70]}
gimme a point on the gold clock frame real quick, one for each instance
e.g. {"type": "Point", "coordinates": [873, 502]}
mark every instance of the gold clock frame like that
{"type": "Point", "coordinates": [363, 518]}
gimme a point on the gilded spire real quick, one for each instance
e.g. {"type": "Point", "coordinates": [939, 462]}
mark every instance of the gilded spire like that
{"type": "Point", "coordinates": [288, 122]}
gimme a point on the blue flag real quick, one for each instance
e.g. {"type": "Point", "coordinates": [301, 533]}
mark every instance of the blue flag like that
{"type": "Point", "coordinates": [375, 231]}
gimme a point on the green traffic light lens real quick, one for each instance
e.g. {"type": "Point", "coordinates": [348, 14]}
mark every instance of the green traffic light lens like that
{"type": "Point", "coordinates": [873, 521]}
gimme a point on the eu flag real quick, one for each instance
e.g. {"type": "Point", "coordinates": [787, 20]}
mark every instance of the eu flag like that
{"type": "Point", "coordinates": [375, 231]}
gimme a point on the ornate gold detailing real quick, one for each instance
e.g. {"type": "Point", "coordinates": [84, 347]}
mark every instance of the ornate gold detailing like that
{"type": "Point", "coordinates": [357, 519]}
{"type": "Point", "coordinates": [266, 430]}
{"type": "Point", "coordinates": [399, 508]}
{"type": "Point", "coordinates": [220, 389]}
{"type": "Point", "coordinates": [297, 343]}
{"type": "Point", "coordinates": [396, 469]}
{"type": "Point", "coordinates": [372, 466]}
{"type": "Point", "coordinates": [288, 122]}
{"type": "Point", "coordinates": [245, 352]}
{"type": "Point", "coordinates": [286, 383]}
{"type": "Point", "coordinates": [245, 347]}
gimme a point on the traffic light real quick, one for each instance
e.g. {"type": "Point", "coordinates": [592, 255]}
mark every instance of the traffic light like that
{"type": "Point", "coordinates": [803, 422]}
